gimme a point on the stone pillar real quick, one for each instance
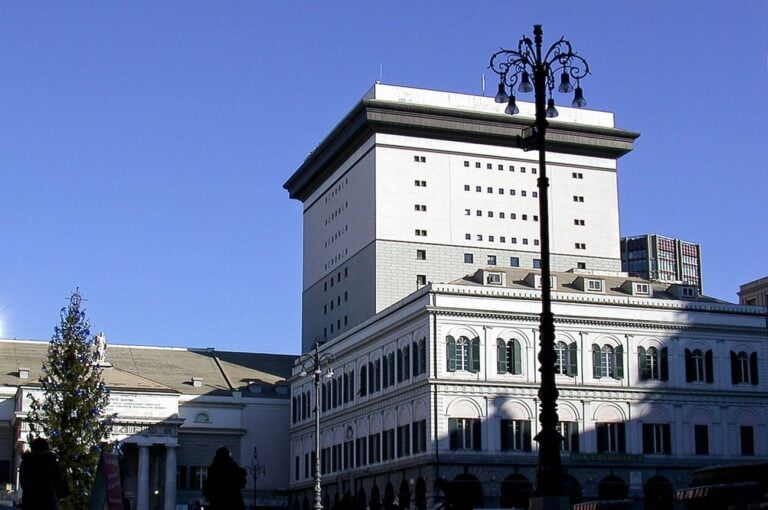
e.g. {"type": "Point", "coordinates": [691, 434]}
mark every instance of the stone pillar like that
{"type": "Point", "coordinates": [170, 476]}
{"type": "Point", "coordinates": [142, 479]}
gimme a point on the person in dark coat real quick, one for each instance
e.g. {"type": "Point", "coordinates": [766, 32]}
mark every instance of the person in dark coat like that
{"type": "Point", "coordinates": [40, 476]}
{"type": "Point", "coordinates": [224, 482]}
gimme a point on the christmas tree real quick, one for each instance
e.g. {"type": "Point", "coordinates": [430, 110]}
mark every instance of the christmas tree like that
{"type": "Point", "coordinates": [72, 411]}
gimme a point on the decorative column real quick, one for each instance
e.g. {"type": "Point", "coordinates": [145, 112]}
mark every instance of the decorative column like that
{"type": "Point", "coordinates": [142, 479]}
{"type": "Point", "coordinates": [170, 476]}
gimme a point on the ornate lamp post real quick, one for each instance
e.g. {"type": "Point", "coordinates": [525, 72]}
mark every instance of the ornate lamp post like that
{"type": "Point", "coordinates": [317, 363]}
{"type": "Point", "coordinates": [516, 68]}
{"type": "Point", "coordinates": [256, 469]}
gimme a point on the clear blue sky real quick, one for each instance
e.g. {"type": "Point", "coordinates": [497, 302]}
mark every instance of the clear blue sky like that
{"type": "Point", "coordinates": [143, 144]}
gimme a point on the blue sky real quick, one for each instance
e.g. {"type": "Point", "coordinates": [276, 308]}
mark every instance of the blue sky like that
{"type": "Point", "coordinates": [144, 144]}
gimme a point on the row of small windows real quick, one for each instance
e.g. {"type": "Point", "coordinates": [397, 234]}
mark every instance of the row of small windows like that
{"type": "Point", "coordinates": [501, 215]}
{"type": "Point", "coordinates": [329, 282]}
{"type": "Point", "coordinates": [337, 258]}
{"type": "Point", "coordinates": [337, 302]}
{"type": "Point", "coordinates": [336, 326]}
{"type": "Point", "coordinates": [337, 212]}
{"type": "Point", "coordinates": [501, 191]}
{"type": "Point", "coordinates": [385, 446]}
{"type": "Point", "coordinates": [337, 189]}
{"type": "Point", "coordinates": [491, 260]}
{"type": "Point", "coordinates": [463, 354]}
{"type": "Point", "coordinates": [336, 235]}
{"type": "Point", "coordinates": [410, 360]}
{"type": "Point", "coordinates": [502, 239]}
{"type": "Point", "coordinates": [490, 166]}
{"type": "Point", "coordinates": [515, 435]}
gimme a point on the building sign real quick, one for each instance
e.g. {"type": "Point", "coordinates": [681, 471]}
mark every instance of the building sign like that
{"type": "Point", "coordinates": [142, 405]}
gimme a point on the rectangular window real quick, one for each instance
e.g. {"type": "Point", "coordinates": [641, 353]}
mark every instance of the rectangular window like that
{"type": "Point", "coordinates": [361, 450]}
{"type": "Point", "coordinates": [491, 260]}
{"type": "Point", "coordinates": [419, 434]}
{"type": "Point", "coordinates": [611, 438]}
{"type": "Point", "coordinates": [469, 258]}
{"type": "Point", "coordinates": [478, 189]}
{"type": "Point", "coordinates": [374, 448]}
{"type": "Point", "coordinates": [466, 164]}
{"type": "Point", "coordinates": [570, 432]}
{"type": "Point", "coordinates": [501, 191]}
{"type": "Point", "coordinates": [466, 187]}
{"type": "Point", "coordinates": [514, 261]}
{"type": "Point", "coordinates": [467, 212]}
{"type": "Point", "coordinates": [578, 198]}
{"type": "Point", "coordinates": [478, 212]}
{"type": "Point", "coordinates": [747, 436]}
{"type": "Point", "coordinates": [464, 433]}
{"type": "Point", "coordinates": [421, 280]}
{"type": "Point", "coordinates": [523, 193]}
{"type": "Point", "coordinates": [701, 439]}
{"type": "Point", "coordinates": [490, 214]}
{"type": "Point", "coordinates": [420, 232]}
{"type": "Point", "coordinates": [657, 439]}
{"type": "Point", "coordinates": [489, 166]}
{"type": "Point", "coordinates": [403, 441]}
{"type": "Point", "coordinates": [421, 254]}
{"type": "Point", "coordinates": [388, 445]}
{"type": "Point", "coordinates": [420, 207]}
{"type": "Point", "coordinates": [468, 237]}
{"type": "Point", "coordinates": [515, 435]}
{"type": "Point", "coordinates": [477, 164]}
{"type": "Point", "coordinates": [501, 215]}
{"type": "Point", "coordinates": [479, 237]}
{"type": "Point", "coordinates": [489, 189]}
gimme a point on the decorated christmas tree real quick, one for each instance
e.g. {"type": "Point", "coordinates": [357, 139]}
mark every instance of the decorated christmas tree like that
{"type": "Point", "coordinates": [71, 413]}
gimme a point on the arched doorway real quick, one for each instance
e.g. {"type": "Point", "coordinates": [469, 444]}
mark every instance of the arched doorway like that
{"type": "Point", "coordinates": [612, 487]}
{"type": "Point", "coordinates": [375, 498]}
{"type": "Point", "coordinates": [516, 491]}
{"type": "Point", "coordinates": [421, 494]}
{"type": "Point", "coordinates": [658, 494]}
{"type": "Point", "coordinates": [404, 495]}
{"type": "Point", "coordinates": [465, 493]}
{"type": "Point", "coordinates": [389, 496]}
{"type": "Point", "coordinates": [572, 489]}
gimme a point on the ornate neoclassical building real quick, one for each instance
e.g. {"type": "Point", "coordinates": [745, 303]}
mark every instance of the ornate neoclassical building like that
{"type": "Point", "coordinates": [421, 260]}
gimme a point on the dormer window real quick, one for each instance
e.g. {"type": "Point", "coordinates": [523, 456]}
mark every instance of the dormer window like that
{"type": "Point", "coordinates": [493, 278]}
{"type": "Point", "coordinates": [688, 292]}
{"type": "Point", "coordinates": [594, 285]}
{"type": "Point", "coordinates": [23, 373]}
{"type": "Point", "coordinates": [641, 289]}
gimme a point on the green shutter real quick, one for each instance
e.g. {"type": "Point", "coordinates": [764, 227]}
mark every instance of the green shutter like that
{"type": "Point", "coordinates": [642, 364]}
{"type": "Point", "coordinates": [501, 355]}
{"type": "Point", "coordinates": [573, 359]}
{"type": "Point", "coordinates": [619, 371]}
{"type": "Point", "coordinates": [475, 355]}
{"type": "Point", "coordinates": [664, 359]}
{"type": "Point", "coordinates": [451, 354]}
{"type": "Point", "coordinates": [596, 361]}
{"type": "Point", "coordinates": [516, 361]}
{"type": "Point", "coordinates": [753, 368]}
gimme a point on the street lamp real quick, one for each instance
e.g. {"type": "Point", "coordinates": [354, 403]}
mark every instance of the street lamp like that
{"type": "Point", "coordinates": [257, 469]}
{"type": "Point", "coordinates": [518, 68]}
{"type": "Point", "coordinates": [317, 363]}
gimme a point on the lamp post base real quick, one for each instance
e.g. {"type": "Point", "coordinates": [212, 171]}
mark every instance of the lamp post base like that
{"type": "Point", "coordinates": [550, 503]}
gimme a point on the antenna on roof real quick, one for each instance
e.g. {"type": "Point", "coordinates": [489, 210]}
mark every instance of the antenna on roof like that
{"type": "Point", "coordinates": [381, 71]}
{"type": "Point", "coordinates": [482, 82]}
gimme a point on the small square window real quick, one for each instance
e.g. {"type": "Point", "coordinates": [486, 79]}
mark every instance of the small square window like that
{"type": "Point", "coordinates": [490, 190]}
{"type": "Point", "coordinates": [514, 261]}
{"type": "Point", "coordinates": [535, 217]}
{"type": "Point", "coordinates": [479, 237]}
{"type": "Point", "coordinates": [468, 237]}
{"type": "Point", "coordinates": [533, 171]}
{"type": "Point", "coordinates": [537, 263]}
{"type": "Point", "coordinates": [511, 168]}
{"type": "Point", "coordinates": [491, 260]}
{"type": "Point", "coordinates": [477, 164]}
{"type": "Point", "coordinates": [501, 215]}
{"type": "Point", "coordinates": [535, 242]}
{"type": "Point", "coordinates": [501, 191]}
{"type": "Point", "coordinates": [513, 240]}
{"type": "Point", "coordinates": [513, 216]}
{"type": "Point", "coordinates": [467, 212]}
{"type": "Point", "coordinates": [512, 192]}
{"type": "Point", "coordinates": [525, 240]}
{"type": "Point", "coordinates": [581, 265]}
{"type": "Point", "coordinates": [478, 189]}
{"type": "Point", "coordinates": [421, 280]}
{"type": "Point", "coordinates": [501, 167]}
{"type": "Point", "coordinates": [421, 254]}
{"type": "Point", "coordinates": [534, 194]}
{"type": "Point", "coordinates": [469, 258]}
{"type": "Point", "coordinates": [466, 163]}
{"type": "Point", "coordinates": [489, 166]}
{"type": "Point", "coordinates": [490, 214]}
{"type": "Point", "coordinates": [522, 169]}
{"type": "Point", "coordinates": [490, 239]}
{"type": "Point", "coordinates": [478, 213]}
{"type": "Point", "coordinates": [502, 239]}
{"type": "Point", "coordinates": [523, 193]}
{"type": "Point", "coordinates": [466, 187]}
{"type": "Point", "coordinates": [525, 217]}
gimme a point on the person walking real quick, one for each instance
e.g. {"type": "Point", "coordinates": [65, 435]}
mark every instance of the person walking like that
{"type": "Point", "coordinates": [224, 482]}
{"type": "Point", "coordinates": [40, 477]}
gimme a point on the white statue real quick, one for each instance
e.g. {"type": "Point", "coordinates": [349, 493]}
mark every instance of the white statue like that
{"type": "Point", "coordinates": [100, 342]}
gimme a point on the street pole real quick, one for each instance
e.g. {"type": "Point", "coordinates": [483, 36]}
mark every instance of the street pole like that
{"type": "Point", "coordinates": [317, 363]}
{"type": "Point", "coordinates": [515, 66]}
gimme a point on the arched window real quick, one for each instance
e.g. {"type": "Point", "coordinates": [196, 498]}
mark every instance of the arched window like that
{"type": "Point", "coordinates": [508, 356]}
{"type": "Point", "coordinates": [699, 366]}
{"type": "Point", "coordinates": [744, 368]}
{"type": "Point", "coordinates": [202, 418]}
{"type": "Point", "coordinates": [363, 381]}
{"type": "Point", "coordinates": [566, 356]}
{"type": "Point", "coordinates": [607, 361]}
{"type": "Point", "coordinates": [653, 364]}
{"type": "Point", "coordinates": [419, 356]}
{"type": "Point", "coordinates": [463, 354]}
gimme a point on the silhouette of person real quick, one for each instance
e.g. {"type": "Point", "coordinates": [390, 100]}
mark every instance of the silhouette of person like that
{"type": "Point", "coordinates": [225, 479]}
{"type": "Point", "coordinates": [40, 476]}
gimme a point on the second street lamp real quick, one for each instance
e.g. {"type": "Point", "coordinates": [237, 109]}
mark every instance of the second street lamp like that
{"type": "Point", "coordinates": [319, 365]}
{"type": "Point", "coordinates": [515, 69]}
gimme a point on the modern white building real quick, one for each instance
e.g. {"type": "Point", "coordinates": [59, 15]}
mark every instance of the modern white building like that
{"type": "Point", "coordinates": [420, 272]}
{"type": "Point", "coordinates": [174, 407]}
{"type": "Point", "coordinates": [417, 186]}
